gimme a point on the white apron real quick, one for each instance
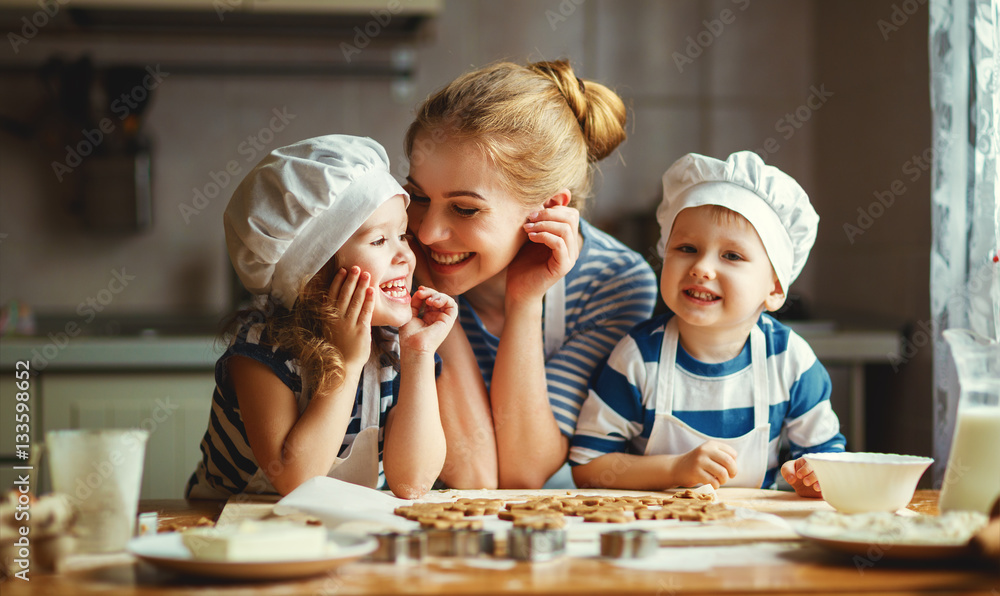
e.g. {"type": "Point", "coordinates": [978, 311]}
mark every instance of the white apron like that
{"type": "Point", "coordinates": [670, 435]}
{"type": "Point", "coordinates": [555, 318]}
{"type": "Point", "coordinates": [555, 335]}
{"type": "Point", "coordinates": [360, 464]}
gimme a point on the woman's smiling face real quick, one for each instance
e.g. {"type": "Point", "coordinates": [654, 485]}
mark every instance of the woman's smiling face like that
{"type": "Point", "coordinates": [467, 225]}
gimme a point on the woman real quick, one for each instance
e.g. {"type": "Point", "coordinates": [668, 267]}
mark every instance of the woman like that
{"type": "Point", "coordinates": [501, 161]}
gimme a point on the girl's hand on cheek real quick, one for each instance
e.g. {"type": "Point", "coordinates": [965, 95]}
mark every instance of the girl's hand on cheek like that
{"type": "Point", "coordinates": [354, 298]}
{"type": "Point", "coordinates": [434, 313]}
{"type": "Point", "coordinates": [552, 249]}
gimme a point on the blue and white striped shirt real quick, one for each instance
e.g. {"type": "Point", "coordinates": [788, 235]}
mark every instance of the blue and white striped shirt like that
{"type": "Point", "coordinates": [608, 291]}
{"type": "Point", "coordinates": [715, 399]}
{"type": "Point", "coordinates": [228, 463]}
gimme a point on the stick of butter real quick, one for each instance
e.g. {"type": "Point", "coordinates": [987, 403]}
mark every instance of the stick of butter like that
{"type": "Point", "coordinates": [258, 541]}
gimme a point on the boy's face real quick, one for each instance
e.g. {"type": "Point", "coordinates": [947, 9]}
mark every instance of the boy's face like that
{"type": "Point", "coordinates": [716, 272]}
{"type": "Point", "coordinates": [380, 247]}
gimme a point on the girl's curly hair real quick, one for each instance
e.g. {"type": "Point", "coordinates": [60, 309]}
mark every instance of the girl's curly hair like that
{"type": "Point", "coordinates": [304, 331]}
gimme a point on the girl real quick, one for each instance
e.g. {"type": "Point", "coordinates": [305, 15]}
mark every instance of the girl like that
{"type": "Point", "coordinates": [316, 380]}
{"type": "Point", "coordinates": [500, 164]}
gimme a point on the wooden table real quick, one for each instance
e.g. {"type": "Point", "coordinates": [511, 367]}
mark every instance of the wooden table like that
{"type": "Point", "coordinates": [808, 569]}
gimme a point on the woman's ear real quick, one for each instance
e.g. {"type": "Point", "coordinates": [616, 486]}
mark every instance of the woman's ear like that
{"type": "Point", "coordinates": [560, 199]}
{"type": "Point", "coordinates": [776, 299]}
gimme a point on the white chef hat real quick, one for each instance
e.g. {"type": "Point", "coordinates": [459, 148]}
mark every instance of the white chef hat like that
{"type": "Point", "coordinates": [299, 205]}
{"type": "Point", "coordinates": [771, 200]}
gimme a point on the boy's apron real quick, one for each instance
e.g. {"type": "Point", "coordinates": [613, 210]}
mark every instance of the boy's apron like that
{"type": "Point", "coordinates": [670, 435]}
{"type": "Point", "coordinates": [360, 464]}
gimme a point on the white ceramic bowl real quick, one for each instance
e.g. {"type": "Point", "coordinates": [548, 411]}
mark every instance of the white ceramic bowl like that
{"type": "Point", "coordinates": [862, 482]}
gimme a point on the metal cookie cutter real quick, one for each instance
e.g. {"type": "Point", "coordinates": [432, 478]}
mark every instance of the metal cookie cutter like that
{"type": "Point", "coordinates": [459, 543]}
{"type": "Point", "coordinates": [399, 547]}
{"type": "Point", "coordinates": [628, 544]}
{"type": "Point", "coordinates": [529, 544]}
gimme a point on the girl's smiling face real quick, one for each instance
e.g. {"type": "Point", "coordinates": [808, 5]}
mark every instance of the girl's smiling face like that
{"type": "Point", "coordinates": [380, 247]}
{"type": "Point", "coordinates": [467, 225]}
{"type": "Point", "coordinates": [716, 272]}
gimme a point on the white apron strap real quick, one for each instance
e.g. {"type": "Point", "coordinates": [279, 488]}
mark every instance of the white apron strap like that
{"type": "Point", "coordinates": [666, 372]}
{"type": "Point", "coordinates": [555, 318]}
{"type": "Point", "coordinates": [761, 397]}
{"type": "Point", "coordinates": [371, 394]}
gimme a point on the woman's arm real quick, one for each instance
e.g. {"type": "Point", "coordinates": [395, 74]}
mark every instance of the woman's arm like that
{"type": "Point", "coordinates": [289, 448]}
{"type": "Point", "coordinates": [471, 461]}
{"type": "Point", "coordinates": [530, 447]}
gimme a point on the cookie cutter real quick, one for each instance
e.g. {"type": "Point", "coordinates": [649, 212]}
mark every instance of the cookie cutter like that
{"type": "Point", "coordinates": [459, 542]}
{"type": "Point", "coordinates": [530, 544]}
{"type": "Point", "coordinates": [628, 544]}
{"type": "Point", "coordinates": [399, 547]}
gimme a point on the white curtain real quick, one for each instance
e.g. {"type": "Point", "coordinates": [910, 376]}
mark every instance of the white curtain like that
{"type": "Point", "coordinates": [965, 278]}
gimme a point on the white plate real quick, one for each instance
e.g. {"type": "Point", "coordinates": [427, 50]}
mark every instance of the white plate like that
{"type": "Point", "coordinates": [168, 552]}
{"type": "Point", "coordinates": [889, 550]}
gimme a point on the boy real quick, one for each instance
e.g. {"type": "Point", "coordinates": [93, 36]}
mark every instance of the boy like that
{"type": "Point", "coordinates": [701, 394]}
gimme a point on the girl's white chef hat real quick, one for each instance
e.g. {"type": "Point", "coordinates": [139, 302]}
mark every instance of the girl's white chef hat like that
{"type": "Point", "coordinates": [771, 200]}
{"type": "Point", "coordinates": [299, 205]}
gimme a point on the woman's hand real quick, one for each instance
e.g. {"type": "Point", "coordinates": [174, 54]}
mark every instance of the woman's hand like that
{"type": "Point", "coordinates": [551, 251]}
{"type": "Point", "coordinates": [434, 314]}
{"type": "Point", "coordinates": [354, 299]}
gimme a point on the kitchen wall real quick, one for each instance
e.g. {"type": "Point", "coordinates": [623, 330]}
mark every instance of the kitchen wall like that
{"type": "Point", "coordinates": [724, 94]}
{"type": "Point", "coordinates": [822, 89]}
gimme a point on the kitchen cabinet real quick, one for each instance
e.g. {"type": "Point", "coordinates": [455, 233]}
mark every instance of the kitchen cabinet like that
{"type": "Point", "coordinates": [162, 384]}
{"type": "Point", "coordinates": [172, 406]}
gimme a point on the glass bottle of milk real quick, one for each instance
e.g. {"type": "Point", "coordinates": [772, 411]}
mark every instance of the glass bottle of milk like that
{"type": "Point", "coordinates": [972, 478]}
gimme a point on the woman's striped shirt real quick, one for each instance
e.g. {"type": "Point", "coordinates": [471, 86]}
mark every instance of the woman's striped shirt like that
{"type": "Point", "coordinates": [610, 289]}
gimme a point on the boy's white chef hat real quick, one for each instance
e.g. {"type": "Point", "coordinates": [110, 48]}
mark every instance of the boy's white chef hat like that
{"type": "Point", "coordinates": [299, 205]}
{"type": "Point", "coordinates": [771, 200]}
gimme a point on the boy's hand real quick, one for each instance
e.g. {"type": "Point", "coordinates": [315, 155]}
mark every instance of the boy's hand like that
{"type": "Point", "coordinates": [802, 477]}
{"type": "Point", "coordinates": [434, 314]}
{"type": "Point", "coordinates": [354, 299]}
{"type": "Point", "coordinates": [711, 462]}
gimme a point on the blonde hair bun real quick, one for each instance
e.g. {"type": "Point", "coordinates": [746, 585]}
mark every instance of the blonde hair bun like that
{"type": "Point", "coordinates": [599, 110]}
{"type": "Point", "coordinates": [516, 115]}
